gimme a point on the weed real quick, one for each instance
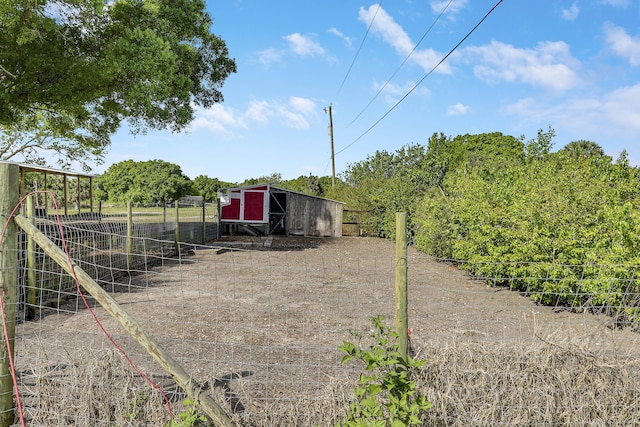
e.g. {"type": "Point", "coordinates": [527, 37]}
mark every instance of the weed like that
{"type": "Point", "coordinates": [190, 417]}
{"type": "Point", "coordinates": [385, 394]}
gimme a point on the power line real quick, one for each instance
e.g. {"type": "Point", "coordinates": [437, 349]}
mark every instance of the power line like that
{"type": "Point", "coordinates": [360, 47]}
{"type": "Point", "coordinates": [402, 64]}
{"type": "Point", "coordinates": [422, 79]}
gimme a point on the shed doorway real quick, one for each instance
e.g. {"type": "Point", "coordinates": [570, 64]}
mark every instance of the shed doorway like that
{"type": "Point", "coordinates": [277, 212]}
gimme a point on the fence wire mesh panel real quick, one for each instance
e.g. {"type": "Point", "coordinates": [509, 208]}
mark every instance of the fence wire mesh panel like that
{"type": "Point", "coordinates": [257, 323]}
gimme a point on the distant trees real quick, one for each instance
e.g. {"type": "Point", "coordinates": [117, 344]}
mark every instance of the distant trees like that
{"type": "Point", "coordinates": [208, 187]}
{"type": "Point", "coordinates": [309, 184]}
{"type": "Point", "coordinates": [147, 182]}
{"type": "Point", "coordinates": [274, 178]}
{"type": "Point", "coordinates": [510, 208]}
{"type": "Point", "coordinates": [386, 183]}
{"type": "Point", "coordinates": [583, 149]}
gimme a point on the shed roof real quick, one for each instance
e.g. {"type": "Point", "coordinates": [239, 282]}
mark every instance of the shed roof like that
{"type": "Point", "coordinates": [271, 186]}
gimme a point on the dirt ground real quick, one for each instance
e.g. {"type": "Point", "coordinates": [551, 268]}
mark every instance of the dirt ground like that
{"type": "Point", "coordinates": [261, 318]}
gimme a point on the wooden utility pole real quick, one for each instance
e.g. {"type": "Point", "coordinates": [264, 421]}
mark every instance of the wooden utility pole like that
{"type": "Point", "coordinates": [333, 157]}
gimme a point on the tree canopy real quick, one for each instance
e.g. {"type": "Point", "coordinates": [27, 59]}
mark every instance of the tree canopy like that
{"type": "Point", "coordinates": [208, 187]}
{"type": "Point", "coordinates": [147, 182]}
{"type": "Point", "coordinates": [75, 70]}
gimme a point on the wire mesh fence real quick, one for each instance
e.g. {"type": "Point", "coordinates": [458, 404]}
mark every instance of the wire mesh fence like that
{"type": "Point", "coordinates": [257, 323]}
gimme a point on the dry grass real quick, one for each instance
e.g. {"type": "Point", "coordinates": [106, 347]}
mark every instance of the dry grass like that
{"type": "Point", "coordinates": [469, 384]}
{"type": "Point", "coordinates": [264, 341]}
{"type": "Point", "coordinates": [543, 385]}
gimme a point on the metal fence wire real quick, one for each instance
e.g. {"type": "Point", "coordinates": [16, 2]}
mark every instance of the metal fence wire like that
{"type": "Point", "coordinates": [257, 321]}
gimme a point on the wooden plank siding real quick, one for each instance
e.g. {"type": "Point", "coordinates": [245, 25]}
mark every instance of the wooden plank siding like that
{"type": "Point", "coordinates": [313, 216]}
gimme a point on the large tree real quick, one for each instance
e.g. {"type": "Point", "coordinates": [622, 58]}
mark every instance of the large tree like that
{"type": "Point", "coordinates": [147, 182]}
{"type": "Point", "coordinates": [75, 70]}
{"type": "Point", "coordinates": [208, 187]}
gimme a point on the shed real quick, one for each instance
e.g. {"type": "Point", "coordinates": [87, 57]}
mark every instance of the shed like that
{"type": "Point", "coordinates": [267, 209]}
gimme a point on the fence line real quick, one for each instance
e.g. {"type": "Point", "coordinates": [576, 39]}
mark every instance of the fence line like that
{"type": "Point", "coordinates": [259, 330]}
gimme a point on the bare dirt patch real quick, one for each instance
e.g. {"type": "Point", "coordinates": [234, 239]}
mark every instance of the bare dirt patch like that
{"type": "Point", "coordinates": [259, 328]}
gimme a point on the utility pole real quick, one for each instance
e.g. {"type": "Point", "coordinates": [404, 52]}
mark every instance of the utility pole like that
{"type": "Point", "coordinates": [333, 157]}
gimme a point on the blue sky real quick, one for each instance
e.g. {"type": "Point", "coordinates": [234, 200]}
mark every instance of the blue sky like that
{"type": "Point", "coordinates": [572, 65]}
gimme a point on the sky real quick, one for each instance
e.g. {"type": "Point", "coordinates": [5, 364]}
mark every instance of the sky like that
{"type": "Point", "coordinates": [392, 75]}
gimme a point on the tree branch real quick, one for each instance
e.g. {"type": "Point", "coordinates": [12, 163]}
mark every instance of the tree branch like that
{"type": "Point", "coordinates": [7, 71]}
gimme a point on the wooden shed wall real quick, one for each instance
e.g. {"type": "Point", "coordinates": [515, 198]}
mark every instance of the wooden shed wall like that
{"type": "Point", "coordinates": [311, 216]}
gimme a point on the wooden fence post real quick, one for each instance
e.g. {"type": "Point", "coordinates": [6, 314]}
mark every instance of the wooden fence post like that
{"type": "Point", "coordinates": [32, 278]}
{"type": "Point", "coordinates": [402, 321]}
{"type": "Point", "coordinates": [176, 243]}
{"type": "Point", "coordinates": [129, 235]}
{"type": "Point", "coordinates": [204, 222]}
{"type": "Point", "coordinates": [155, 350]}
{"type": "Point", "coordinates": [9, 197]}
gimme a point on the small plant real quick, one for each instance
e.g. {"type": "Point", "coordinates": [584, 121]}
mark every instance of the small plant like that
{"type": "Point", "coordinates": [385, 394]}
{"type": "Point", "coordinates": [190, 417]}
{"type": "Point", "coordinates": [135, 406]}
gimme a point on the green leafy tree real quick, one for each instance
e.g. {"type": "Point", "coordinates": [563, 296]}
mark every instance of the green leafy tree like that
{"type": "Point", "coordinates": [73, 70]}
{"type": "Point", "coordinates": [208, 187]}
{"type": "Point", "coordinates": [274, 178]}
{"type": "Point", "coordinates": [311, 184]}
{"type": "Point", "coordinates": [386, 183]}
{"type": "Point", "coordinates": [540, 147]}
{"type": "Point", "coordinates": [583, 149]}
{"type": "Point", "coordinates": [146, 183]}
{"type": "Point", "coordinates": [572, 219]}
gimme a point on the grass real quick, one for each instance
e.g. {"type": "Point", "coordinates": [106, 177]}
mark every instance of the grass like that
{"type": "Point", "coordinates": [468, 384]}
{"type": "Point", "coordinates": [159, 214]}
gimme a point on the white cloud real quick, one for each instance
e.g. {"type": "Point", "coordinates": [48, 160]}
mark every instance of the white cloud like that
{"type": "Point", "coordinates": [335, 31]}
{"type": "Point", "coordinates": [259, 111]}
{"type": "Point", "coordinates": [453, 6]}
{"type": "Point", "coordinates": [299, 45]}
{"type": "Point", "coordinates": [296, 112]}
{"type": "Point", "coordinates": [393, 34]}
{"type": "Point", "coordinates": [269, 56]}
{"type": "Point", "coordinates": [217, 119]}
{"type": "Point", "coordinates": [613, 116]}
{"type": "Point", "coordinates": [303, 45]}
{"type": "Point", "coordinates": [458, 109]}
{"type": "Point", "coordinates": [622, 44]}
{"type": "Point", "coordinates": [303, 105]}
{"type": "Point", "coordinates": [622, 108]}
{"type": "Point", "coordinates": [393, 93]}
{"type": "Point", "coordinates": [292, 119]}
{"type": "Point", "coordinates": [572, 13]}
{"type": "Point", "coordinates": [619, 3]}
{"type": "Point", "coordinates": [549, 64]}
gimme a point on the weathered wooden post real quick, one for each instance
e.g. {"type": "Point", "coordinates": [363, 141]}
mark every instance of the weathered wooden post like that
{"type": "Point", "coordinates": [9, 197]}
{"type": "Point", "coordinates": [65, 189]}
{"type": "Point", "coordinates": [176, 243]}
{"type": "Point", "coordinates": [32, 277]}
{"type": "Point", "coordinates": [129, 235]}
{"type": "Point", "coordinates": [204, 223]}
{"type": "Point", "coordinates": [402, 321]}
{"type": "Point", "coordinates": [155, 350]}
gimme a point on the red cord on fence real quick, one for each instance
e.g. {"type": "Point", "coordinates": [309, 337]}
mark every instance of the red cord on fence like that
{"type": "Point", "coordinates": [86, 303]}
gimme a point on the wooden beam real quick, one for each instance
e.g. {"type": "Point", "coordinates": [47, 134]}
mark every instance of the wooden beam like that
{"type": "Point", "coordinates": [184, 380]}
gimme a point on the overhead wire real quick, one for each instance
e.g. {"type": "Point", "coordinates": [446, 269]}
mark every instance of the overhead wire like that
{"type": "Point", "coordinates": [422, 79]}
{"type": "Point", "coordinates": [403, 62]}
{"type": "Point", "coordinates": [360, 47]}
